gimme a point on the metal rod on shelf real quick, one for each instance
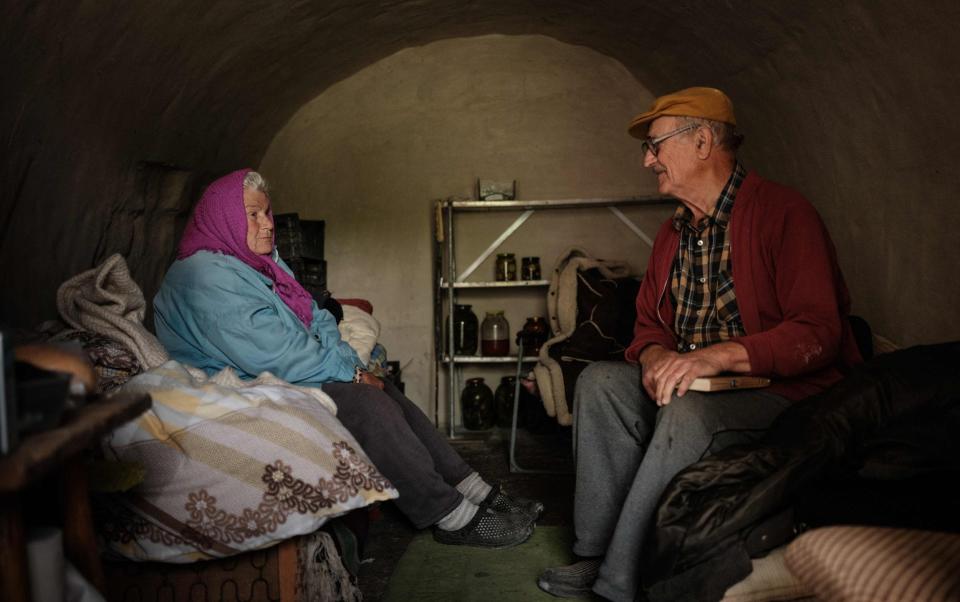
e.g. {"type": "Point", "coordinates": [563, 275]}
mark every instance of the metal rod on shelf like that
{"type": "Point", "coordinates": [494, 245]}
{"type": "Point", "coordinates": [489, 359]}
{"type": "Point", "coordinates": [451, 372]}
{"type": "Point", "coordinates": [629, 223]}
{"type": "Point", "coordinates": [560, 203]}
{"type": "Point", "coordinates": [514, 466]}
{"type": "Point", "coordinates": [438, 243]}
{"type": "Point", "coordinates": [497, 284]}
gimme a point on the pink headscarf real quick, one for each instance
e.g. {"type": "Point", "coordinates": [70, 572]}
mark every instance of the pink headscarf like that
{"type": "Point", "coordinates": [219, 224]}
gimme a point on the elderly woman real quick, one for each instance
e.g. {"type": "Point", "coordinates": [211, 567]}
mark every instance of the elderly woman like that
{"type": "Point", "coordinates": [229, 300]}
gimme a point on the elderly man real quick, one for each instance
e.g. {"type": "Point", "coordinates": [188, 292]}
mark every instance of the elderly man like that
{"type": "Point", "coordinates": [742, 279]}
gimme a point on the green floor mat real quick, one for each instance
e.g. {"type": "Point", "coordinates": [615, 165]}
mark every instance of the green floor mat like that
{"type": "Point", "coordinates": [429, 571]}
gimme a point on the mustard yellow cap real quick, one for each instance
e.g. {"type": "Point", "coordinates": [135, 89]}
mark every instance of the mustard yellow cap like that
{"type": "Point", "coordinates": [707, 103]}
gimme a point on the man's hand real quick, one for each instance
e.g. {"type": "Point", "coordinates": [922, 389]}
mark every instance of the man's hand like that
{"type": "Point", "coordinates": [369, 379]}
{"type": "Point", "coordinates": [665, 371]}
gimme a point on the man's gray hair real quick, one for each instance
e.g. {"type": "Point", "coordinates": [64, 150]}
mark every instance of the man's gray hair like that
{"type": "Point", "coordinates": [724, 135]}
{"type": "Point", "coordinates": [255, 181]}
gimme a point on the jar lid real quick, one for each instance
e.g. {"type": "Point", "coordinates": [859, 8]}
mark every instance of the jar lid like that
{"type": "Point", "coordinates": [460, 306]}
{"type": "Point", "coordinates": [477, 380]}
{"type": "Point", "coordinates": [508, 379]}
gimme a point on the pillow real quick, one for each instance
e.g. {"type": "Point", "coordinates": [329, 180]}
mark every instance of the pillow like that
{"type": "Point", "coordinates": [770, 581]}
{"type": "Point", "coordinates": [873, 563]}
{"type": "Point", "coordinates": [360, 330]}
{"type": "Point", "coordinates": [230, 468]}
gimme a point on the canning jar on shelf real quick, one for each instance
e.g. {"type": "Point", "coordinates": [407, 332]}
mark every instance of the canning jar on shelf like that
{"type": "Point", "coordinates": [495, 334]}
{"type": "Point", "coordinates": [464, 330]}
{"type": "Point", "coordinates": [503, 400]}
{"type": "Point", "coordinates": [506, 269]}
{"type": "Point", "coordinates": [530, 268]}
{"type": "Point", "coordinates": [476, 405]}
{"type": "Point", "coordinates": [534, 334]}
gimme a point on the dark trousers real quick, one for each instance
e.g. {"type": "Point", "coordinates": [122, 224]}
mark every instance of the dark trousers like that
{"type": "Point", "coordinates": [405, 447]}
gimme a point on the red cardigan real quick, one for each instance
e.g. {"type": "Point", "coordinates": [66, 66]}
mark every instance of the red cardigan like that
{"type": "Point", "coordinates": [792, 297]}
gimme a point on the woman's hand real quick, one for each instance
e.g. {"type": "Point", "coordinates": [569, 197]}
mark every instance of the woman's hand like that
{"type": "Point", "coordinates": [369, 379]}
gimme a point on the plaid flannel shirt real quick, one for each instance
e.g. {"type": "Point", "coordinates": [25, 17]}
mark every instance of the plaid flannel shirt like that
{"type": "Point", "coordinates": [702, 284]}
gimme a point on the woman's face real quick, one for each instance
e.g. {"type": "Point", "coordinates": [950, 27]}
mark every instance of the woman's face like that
{"type": "Point", "coordinates": [259, 221]}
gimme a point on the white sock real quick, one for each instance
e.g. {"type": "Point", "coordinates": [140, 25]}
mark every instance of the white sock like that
{"type": "Point", "coordinates": [474, 488]}
{"type": "Point", "coordinates": [459, 517]}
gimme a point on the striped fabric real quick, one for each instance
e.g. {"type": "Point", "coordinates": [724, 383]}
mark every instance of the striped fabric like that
{"type": "Point", "coordinates": [231, 468]}
{"type": "Point", "coordinates": [702, 284]}
{"type": "Point", "coordinates": [854, 564]}
{"type": "Point", "coordinates": [770, 581]}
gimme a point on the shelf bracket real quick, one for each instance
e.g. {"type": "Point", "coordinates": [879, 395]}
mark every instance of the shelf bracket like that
{"type": "Point", "coordinates": [493, 247]}
{"type": "Point", "coordinates": [629, 223]}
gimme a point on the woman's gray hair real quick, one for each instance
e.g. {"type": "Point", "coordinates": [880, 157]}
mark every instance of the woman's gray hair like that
{"type": "Point", "coordinates": [724, 135]}
{"type": "Point", "coordinates": [255, 181]}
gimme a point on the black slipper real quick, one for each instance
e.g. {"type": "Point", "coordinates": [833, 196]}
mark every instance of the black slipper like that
{"type": "Point", "coordinates": [488, 529]}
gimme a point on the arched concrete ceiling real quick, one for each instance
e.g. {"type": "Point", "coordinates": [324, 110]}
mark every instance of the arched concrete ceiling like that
{"type": "Point", "coordinates": [236, 71]}
{"type": "Point", "coordinates": [92, 88]}
{"type": "Point", "coordinates": [239, 69]}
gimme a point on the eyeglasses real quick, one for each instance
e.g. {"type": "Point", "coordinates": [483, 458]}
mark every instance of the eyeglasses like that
{"type": "Point", "coordinates": [653, 144]}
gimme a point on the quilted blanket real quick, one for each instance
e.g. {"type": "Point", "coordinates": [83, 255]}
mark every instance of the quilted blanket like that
{"type": "Point", "coordinates": [231, 466]}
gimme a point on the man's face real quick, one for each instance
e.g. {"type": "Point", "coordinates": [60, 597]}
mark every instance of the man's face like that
{"type": "Point", "coordinates": [675, 156]}
{"type": "Point", "coordinates": [259, 221]}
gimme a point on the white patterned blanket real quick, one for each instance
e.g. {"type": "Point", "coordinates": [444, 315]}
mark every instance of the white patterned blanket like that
{"type": "Point", "coordinates": [231, 468]}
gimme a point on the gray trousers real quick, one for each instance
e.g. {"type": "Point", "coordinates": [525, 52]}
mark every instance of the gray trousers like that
{"type": "Point", "coordinates": [405, 447]}
{"type": "Point", "coordinates": [627, 450]}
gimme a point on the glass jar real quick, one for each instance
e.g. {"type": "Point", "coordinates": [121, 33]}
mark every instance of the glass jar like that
{"type": "Point", "coordinates": [476, 405]}
{"type": "Point", "coordinates": [465, 325]}
{"type": "Point", "coordinates": [495, 334]}
{"type": "Point", "coordinates": [530, 269]}
{"type": "Point", "coordinates": [503, 400]}
{"type": "Point", "coordinates": [506, 268]}
{"type": "Point", "coordinates": [534, 334]}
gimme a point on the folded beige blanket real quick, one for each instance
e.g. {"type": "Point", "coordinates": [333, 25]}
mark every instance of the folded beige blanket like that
{"type": "Point", "coordinates": [107, 301]}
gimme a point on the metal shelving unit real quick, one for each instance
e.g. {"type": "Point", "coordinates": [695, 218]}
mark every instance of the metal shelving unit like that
{"type": "Point", "coordinates": [510, 284]}
{"type": "Point", "coordinates": [448, 281]}
{"type": "Point", "coordinates": [486, 359]}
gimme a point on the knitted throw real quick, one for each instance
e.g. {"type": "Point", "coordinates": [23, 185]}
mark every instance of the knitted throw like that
{"type": "Point", "coordinates": [106, 301]}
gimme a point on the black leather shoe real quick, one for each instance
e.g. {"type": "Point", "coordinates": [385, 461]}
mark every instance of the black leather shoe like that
{"type": "Point", "coordinates": [501, 502]}
{"type": "Point", "coordinates": [488, 529]}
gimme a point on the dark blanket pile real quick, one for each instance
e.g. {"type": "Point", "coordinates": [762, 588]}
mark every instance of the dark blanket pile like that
{"type": "Point", "coordinates": [878, 448]}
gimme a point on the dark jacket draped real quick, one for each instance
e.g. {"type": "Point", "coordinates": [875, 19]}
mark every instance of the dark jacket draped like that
{"type": "Point", "coordinates": [894, 412]}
